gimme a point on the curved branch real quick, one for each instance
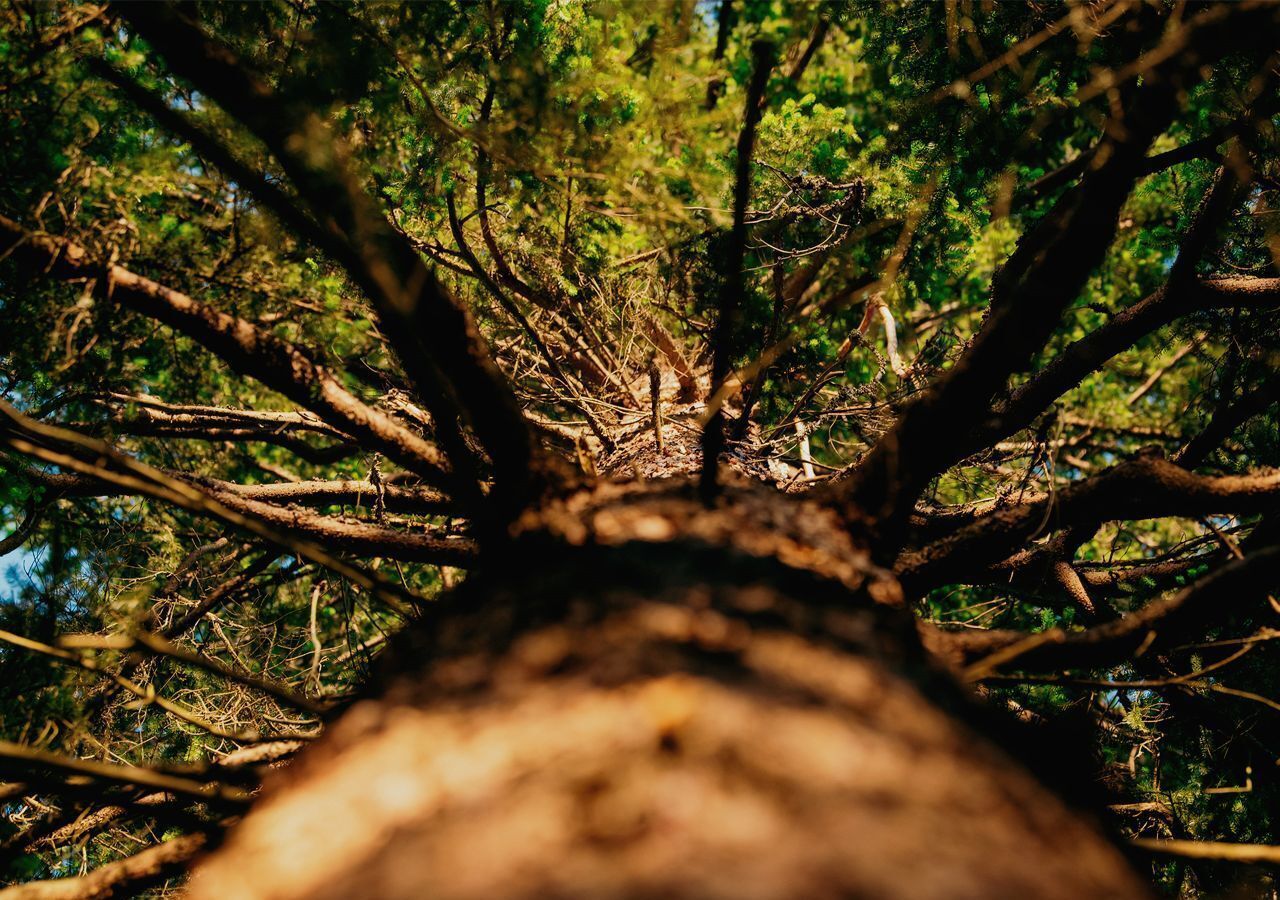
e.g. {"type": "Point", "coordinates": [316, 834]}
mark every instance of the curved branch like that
{"type": "Point", "coordinates": [49, 443]}
{"type": "Point", "coordinates": [1227, 419]}
{"type": "Point", "coordinates": [1069, 366]}
{"type": "Point", "coordinates": [124, 877]}
{"type": "Point", "coordinates": [356, 538]}
{"type": "Point", "coordinates": [1157, 625]}
{"type": "Point", "coordinates": [19, 535]}
{"type": "Point", "coordinates": [434, 336]}
{"type": "Point", "coordinates": [246, 348]}
{"type": "Point", "coordinates": [1045, 273]}
{"type": "Point", "coordinates": [152, 409]}
{"type": "Point", "coordinates": [1138, 489]}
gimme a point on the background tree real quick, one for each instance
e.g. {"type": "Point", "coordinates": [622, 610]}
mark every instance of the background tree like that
{"type": "Point", "coordinates": [683, 449]}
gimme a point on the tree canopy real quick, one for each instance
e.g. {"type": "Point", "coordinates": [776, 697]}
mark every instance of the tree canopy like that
{"type": "Point", "coordinates": [308, 310]}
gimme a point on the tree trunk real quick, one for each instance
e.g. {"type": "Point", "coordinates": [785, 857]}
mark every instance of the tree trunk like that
{"type": "Point", "coordinates": [644, 697]}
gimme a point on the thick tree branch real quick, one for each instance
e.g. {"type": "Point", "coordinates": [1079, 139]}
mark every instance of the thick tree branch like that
{"type": "Point", "coordinates": [351, 537]}
{"type": "Point", "coordinates": [1068, 367]}
{"type": "Point", "coordinates": [1053, 559]}
{"type": "Point", "coordinates": [16, 538]}
{"type": "Point", "coordinates": [20, 758]}
{"type": "Point", "coordinates": [1227, 419]}
{"type": "Point", "coordinates": [435, 338]}
{"type": "Point", "coordinates": [123, 878]}
{"type": "Point", "coordinates": [1158, 625]}
{"type": "Point", "coordinates": [265, 504]}
{"type": "Point", "coordinates": [345, 492]}
{"type": "Point", "coordinates": [724, 340]}
{"type": "Point", "coordinates": [1141, 488]}
{"type": "Point", "coordinates": [245, 347]}
{"type": "Point", "coordinates": [395, 498]}
{"type": "Point", "coordinates": [49, 443]}
{"type": "Point", "coordinates": [152, 409]}
{"type": "Point", "coordinates": [1044, 274]}
{"type": "Point", "coordinates": [1218, 850]}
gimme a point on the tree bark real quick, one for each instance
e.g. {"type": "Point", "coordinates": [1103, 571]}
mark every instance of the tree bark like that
{"type": "Point", "coordinates": [641, 696]}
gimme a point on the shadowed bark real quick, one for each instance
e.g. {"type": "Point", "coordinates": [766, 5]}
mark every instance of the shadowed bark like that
{"type": "Point", "coordinates": [675, 689]}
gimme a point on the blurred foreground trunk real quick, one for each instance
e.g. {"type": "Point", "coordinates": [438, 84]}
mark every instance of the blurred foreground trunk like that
{"type": "Point", "coordinates": [643, 697]}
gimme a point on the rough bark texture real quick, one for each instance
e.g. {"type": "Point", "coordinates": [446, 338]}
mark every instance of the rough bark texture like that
{"type": "Point", "coordinates": [645, 697]}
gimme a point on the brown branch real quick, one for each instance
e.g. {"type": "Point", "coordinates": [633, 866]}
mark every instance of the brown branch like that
{"type": "Point", "coordinates": [433, 335]}
{"type": "Point", "coordinates": [1226, 419]}
{"type": "Point", "coordinates": [667, 346]}
{"type": "Point", "coordinates": [655, 404]}
{"type": "Point", "coordinates": [1220, 850]}
{"type": "Point", "coordinates": [19, 758]}
{"type": "Point", "coordinates": [226, 591]}
{"type": "Point", "coordinates": [1070, 365]}
{"type": "Point", "coordinates": [1181, 296]}
{"type": "Point", "coordinates": [726, 19]}
{"type": "Point", "coordinates": [1158, 625]}
{"type": "Point", "coordinates": [19, 535]}
{"type": "Point", "coordinates": [354, 537]}
{"type": "Point", "coordinates": [263, 502]}
{"type": "Point", "coordinates": [123, 878]}
{"type": "Point", "coordinates": [248, 349]}
{"type": "Point", "coordinates": [35, 439]}
{"type": "Point", "coordinates": [816, 38]}
{"type": "Point", "coordinates": [566, 320]}
{"type": "Point", "coordinates": [509, 306]}
{"type": "Point", "coordinates": [1141, 488]}
{"type": "Point", "coordinates": [160, 646]}
{"type": "Point", "coordinates": [337, 493]}
{"type": "Point", "coordinates": [1070, 581]}
{"type": "Point", "coordinates": [1200, 148]}
{"type": "Point", "coordinates": [1054, 557]}
{"type": "Point", "coordinates": [484, 166]}
{"type": "Point", "coordinates": [152, 409]}
{"type": "Point", "coordinates": [345, 492]}
{"type": "Point", "coordinates": [1205, 147]}
{"type": "Point", "coordinates": [250, 177]}
{"type": "Point", "coordinates": [724, 340]}
{"type": "Point", "coordinates": [64, 827]}
{"type": "Point", "coordinates": [61, 830]}
{"type": "Point", "coordinates": [1031, 571]}
{"type": "Point", "coordinates": [1044, 274]}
